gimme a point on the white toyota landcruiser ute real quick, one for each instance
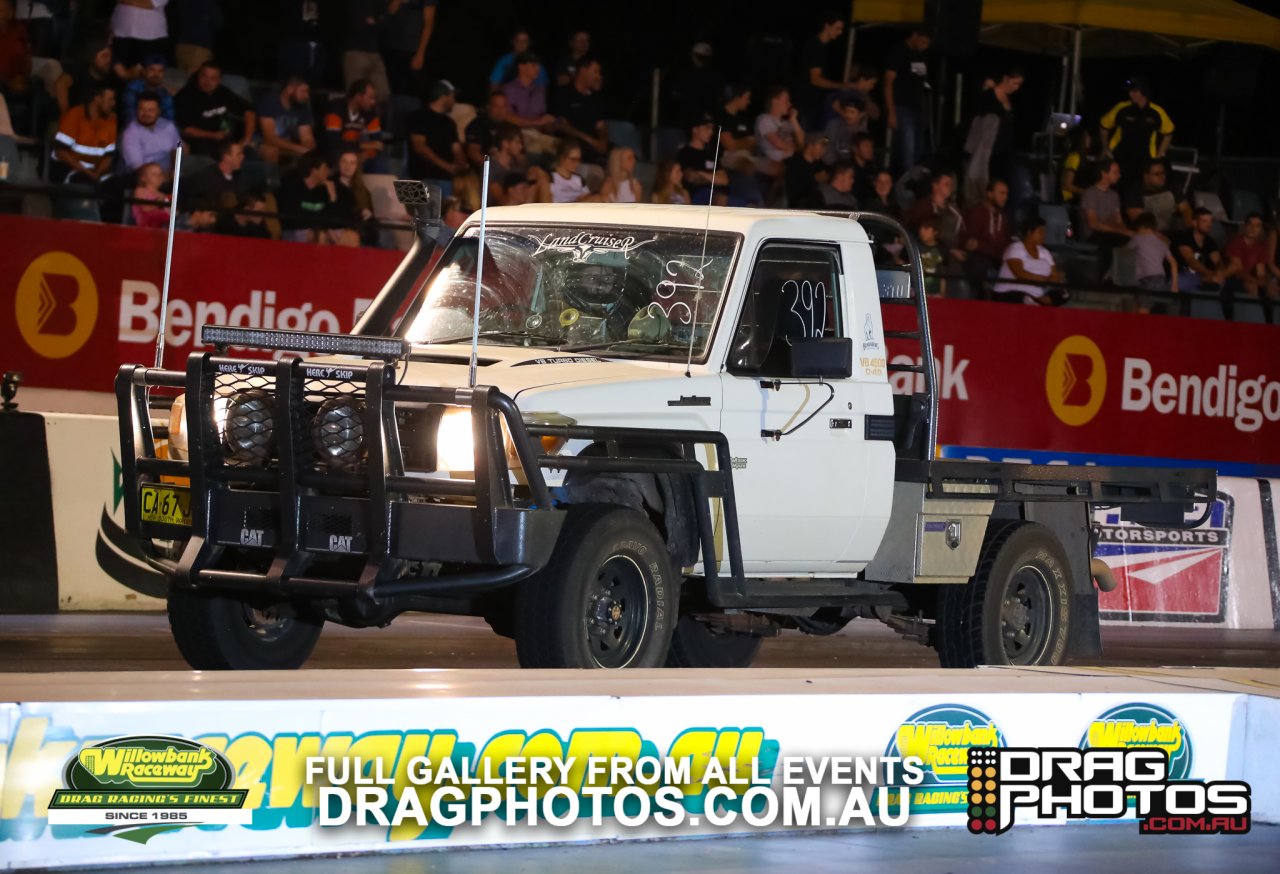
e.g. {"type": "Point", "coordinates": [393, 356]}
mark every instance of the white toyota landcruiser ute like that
{"type": "Point", "coordinates": [677, 437]}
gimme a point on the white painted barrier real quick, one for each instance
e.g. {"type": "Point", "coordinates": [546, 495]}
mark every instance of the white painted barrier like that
{"type": "Point", "coordinates": [1214, 724]}
{"type": "Point", "coordinates": [1225, 574]}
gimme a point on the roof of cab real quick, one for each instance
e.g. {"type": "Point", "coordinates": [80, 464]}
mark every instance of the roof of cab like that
{"type": "Point", "coordinates": [798, 223]}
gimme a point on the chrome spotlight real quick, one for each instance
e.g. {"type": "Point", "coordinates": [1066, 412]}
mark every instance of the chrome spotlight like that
{"type": "Point", "coordinates": [337, 433]}
{"type": "Point", "coordinates": [249, 433]}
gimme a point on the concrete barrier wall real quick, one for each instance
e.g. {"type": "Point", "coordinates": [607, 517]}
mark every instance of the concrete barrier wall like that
{"type": "Point", "coordinates": [1224, 574]}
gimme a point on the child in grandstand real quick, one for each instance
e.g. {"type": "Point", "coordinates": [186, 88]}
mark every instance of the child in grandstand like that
{"type": "Point", "coordinates": [669, 187]}
{"type": "Point", "coordinates": [155, 213]}
{"type": "Point", "coordinates": [1151, 257]}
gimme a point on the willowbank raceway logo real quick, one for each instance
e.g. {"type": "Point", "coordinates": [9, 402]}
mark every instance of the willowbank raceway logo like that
{"type": "Point", "coordinates": [1075, 380]}
{"type": "Point", "coordinates": [139, 786]}
{"type": "Point", "coordinates": [941, 736]}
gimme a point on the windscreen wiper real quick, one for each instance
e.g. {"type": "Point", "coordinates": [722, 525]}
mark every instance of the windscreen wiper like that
{"type": "Point", "coordinates": [517, 335]}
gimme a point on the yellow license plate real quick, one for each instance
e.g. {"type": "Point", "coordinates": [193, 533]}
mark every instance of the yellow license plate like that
{"type": "Point", "coordinates": [169, 505]}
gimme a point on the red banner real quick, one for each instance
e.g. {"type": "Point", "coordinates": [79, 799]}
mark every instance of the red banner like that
{"type": "Point", "coordinates": [1016, 381]}
{"type": "Point", "coordinates": [86, 297]}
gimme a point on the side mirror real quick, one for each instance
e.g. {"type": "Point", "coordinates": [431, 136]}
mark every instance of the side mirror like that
{"type": "Point", "coordinates": [823, 357]}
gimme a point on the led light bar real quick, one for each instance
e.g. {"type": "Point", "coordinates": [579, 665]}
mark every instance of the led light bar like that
{"type": "Point", "coordinates": [385, 348]}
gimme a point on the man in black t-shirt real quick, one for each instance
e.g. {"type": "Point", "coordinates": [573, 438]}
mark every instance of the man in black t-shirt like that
{"type": "Point", "coordinates": [697, 159]}
{"type": "Point", "coordinates": [481, 136]}
{"type": "Point", "coordinates": [1199, 259]}
{"type": "Point", "coordinates": [434, 150]}
{"type": "Point", "coordinates": [814, 85]}
{"type": "Point", "coordinates": [906, 89]}
{"type": "Point", "coordinates": [1136, 130]}
{"type": "Point", "coordinates": [305, 198]}
{"type": "Point", "coordinates": [804, 172]}
{"type": "Point", "coordinates": [209, 112]}
{"type": "Point", "coordinates": [581, 115]}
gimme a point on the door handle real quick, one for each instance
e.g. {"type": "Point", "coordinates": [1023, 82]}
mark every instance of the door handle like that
{"type": "Point", "coordinates": [841, 423]}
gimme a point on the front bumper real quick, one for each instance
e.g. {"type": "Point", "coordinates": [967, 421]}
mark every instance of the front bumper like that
{"type": "Point", "coordinates": [288, 523]}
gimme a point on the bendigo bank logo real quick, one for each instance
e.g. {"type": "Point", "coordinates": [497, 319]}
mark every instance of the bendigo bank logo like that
{"type": "Point", "coordinates": [1075, 380]}
{"type": "Point", "coordinates": [56, 305]}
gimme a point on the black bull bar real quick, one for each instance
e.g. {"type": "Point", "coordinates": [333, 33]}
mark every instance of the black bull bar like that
{"type": "Point", "coordinates": [484, 533]}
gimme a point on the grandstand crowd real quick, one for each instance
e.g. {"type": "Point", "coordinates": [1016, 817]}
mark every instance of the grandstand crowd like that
{"type": "Point", "coordinates": [289, 159]}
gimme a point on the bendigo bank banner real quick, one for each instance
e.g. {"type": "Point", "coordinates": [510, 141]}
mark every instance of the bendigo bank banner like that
{"type": "Point", "coordinates": [1016, 382]}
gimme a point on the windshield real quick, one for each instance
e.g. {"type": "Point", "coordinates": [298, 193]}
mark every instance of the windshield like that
{"type": "Point", "coordinates": [639, 292]}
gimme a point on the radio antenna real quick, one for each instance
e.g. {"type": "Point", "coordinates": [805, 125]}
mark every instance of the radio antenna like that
{"type": "Point", "coordinates": [168, 255]}
{"type": "Point", "coordinates": [702, 260]}
{"type": "Point", "coordinates": [475, 319]}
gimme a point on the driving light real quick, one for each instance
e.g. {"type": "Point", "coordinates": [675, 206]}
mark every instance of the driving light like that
{"type": "Point", "coordinates": [387, 348]}
{"type": "Point", "coordinates": [248, 432]}
{"type": "Point", "coordinates": [337, 433]}
{"type": "Point", "coordinates": [455, 442]}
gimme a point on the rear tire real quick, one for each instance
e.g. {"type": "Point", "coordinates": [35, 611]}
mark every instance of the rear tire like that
{"type": "Point", "coordinates": [695, 645]}
{"type": "Point", "coordinates": [606, 599]}
{"type": "Point", "coordinates": [217, 632]}
{"type": "Point", "coordinates": [1017, 608]}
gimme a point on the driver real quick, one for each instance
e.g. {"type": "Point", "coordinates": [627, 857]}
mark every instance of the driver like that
{"type": "Point", "coordinates": [598, 301]}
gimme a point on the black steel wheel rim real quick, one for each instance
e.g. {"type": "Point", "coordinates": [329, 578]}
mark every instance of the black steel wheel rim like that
{"type": "Point", "coordinates": [1026, 616]}
{"type": "Point", "coordinates": [617, 614]}
{"type": "Point", "coordinates": [268, 623]}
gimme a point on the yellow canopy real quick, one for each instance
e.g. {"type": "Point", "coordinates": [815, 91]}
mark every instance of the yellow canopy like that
{"type": "Point", "coordinates": [1200, 20]}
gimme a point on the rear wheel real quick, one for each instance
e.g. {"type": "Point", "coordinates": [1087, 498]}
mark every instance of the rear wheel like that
{"type": "Point", "coordinates": [1017, 608]}
{"type": "Point", "coordinates": [221, 632]}
{"type": "Point", "coordinates": [696, 645]}
{"type": "Point", "coordinates": [604, 600]}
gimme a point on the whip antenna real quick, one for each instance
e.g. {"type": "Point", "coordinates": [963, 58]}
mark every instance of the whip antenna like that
{"type": "Point", "coordinates": [168, 255]}
{"type": "Point", "coordinates": [702, 260]}
{"type": "Point", "coordinates": [475, 319]}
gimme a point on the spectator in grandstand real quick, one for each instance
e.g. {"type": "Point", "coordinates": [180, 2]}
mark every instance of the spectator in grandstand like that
{"type": "Point", "coordinates": [1101, 222]}
{"type": "Point", "coordinates": [1073, 179]}
{"type": "Point", "coordinates": [155, 212]}
{"type": "Point", "coordinates": [669, 184]}
{"type": "Point", "coordinates": [938, 204]}
{"type": "Point", "coordinates": [353, 198]}
{"type": "Point", "coordinates": [150, 138]}
{"type": "Point", "coordinates": [579, 48]}
{"type": "Point", "coordinates": [1151, 257]}
{"type": "Point", "coordinates": [862, 151]}
{"type": "Point", "coordinates": [849, 122]}
{"type": "Point", "coordinates": [906, 92]}
{"type": "Point", "coordinates": [197, 25]}
{"type": "Point", "coordinates": [285, 122]}
{"type": "Point", "coordinates": [581, 115]}
{"type": "Point", "coordinates": [814, 85]}
{"type": "Point", "coordinates": [302, 50]}
{"type": "Point", "coordinates": [434, 150]}
{"type": "Point", "coordinates": [778, 132]}
{"type": "Point", "coordinates": [221, 183]}
{"type": "Point", "coordinates": [1029, 260]}
{"type": "Point", "coordinates": [353, 120]}
{"type": "Point", "coordinates": [1247, 257]}
{"type": "Point", "coordinates": [990, 140]}
{"type": "Point", "coordinates": [84, 147]}
{"type": "Point", "coordinates": [987, 233]}
{"type": "Point", "coordinates": [837, 193]}
{"type": "Point", "coordinates": [734, 121]}
{"type": "Point", "coordinates": [933, 258]}
{"type": "Point", "coordinates": [1200, 264]}
{"type": "Point", "coordinates": [482, 131]}
{"type": "Point", "coordinates": [152, 81]}
{"type": "Point", "coordinates": [198, 216]}
{"type": "Point", "coordinates": [209, 113]}
{"type": "Point", "coordinates": [882, 199]}
{"type": "Point", "coordinates": [139, 30]}
{"type": "Point", "coordinates": [526, 95]}
{"type": "Point", "coordinates": [74, 86]}
{"type": "Point", "coordinates": [304, 199]}
{"type": "Point", "coordinates": [804, 172]}
{"type": "Point", "coordinates": [248, 221]}
{"type": "Point", "coordinates": [697, 160]}
{"type": "Point", "coordinates": [507, 153]}
{"type": "Point", "coordinates": [406, 32]}
{"type": "Point", "coordinates": [620, 182]}
{"type": "Point", "coordinates": [863, 83]}
{"type": "Point", "coordinates": [564, 184]}
{"type": "Point", "coordinates": [697, 87]}
{"type": "Point", "coordinates": [1154, 195]}
{"type": "Point", "coordinates": [15, 53]}
{"type": "Point", "coordinates": [361, 60]}
{"type": "Point", "coordinates": [1273, 251]}
{"type": "Point", "coordinates": [1136, 130]}
{"type": "Point", "coordinates": [506, 67]}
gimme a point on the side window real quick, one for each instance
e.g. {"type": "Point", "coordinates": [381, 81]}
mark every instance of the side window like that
{"type": "Point", "coordinates": [794, 294]}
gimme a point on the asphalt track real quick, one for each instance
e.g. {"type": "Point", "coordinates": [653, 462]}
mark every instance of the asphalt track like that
{"type": "Point", "coordinates": [141, 642]}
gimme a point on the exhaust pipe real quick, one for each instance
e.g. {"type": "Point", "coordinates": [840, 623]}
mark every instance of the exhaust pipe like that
{"type": "Point", "coordinates": [1103, 575]}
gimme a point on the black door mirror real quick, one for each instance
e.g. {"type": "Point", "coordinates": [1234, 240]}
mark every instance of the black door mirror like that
{"type": "Point", "coordinates": [824, 357]}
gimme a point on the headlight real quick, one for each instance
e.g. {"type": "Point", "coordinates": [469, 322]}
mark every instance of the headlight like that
{"type": "Point", "coordinates": [455, 442]}
{"type": "Point", "coordinates": [337, 432]}
{"type": "Point", "coordinates": [249, 431]}
{"type": "Point", "coordinates": [178, 428]}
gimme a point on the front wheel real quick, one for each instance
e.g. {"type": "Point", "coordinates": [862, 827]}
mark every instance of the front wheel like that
{"type": "Point", "coordinates": [1017, 608]}
{"type": "Point", "coordinates": [606, 599]}
{"type": "Point", "coordinates": [216, 632]}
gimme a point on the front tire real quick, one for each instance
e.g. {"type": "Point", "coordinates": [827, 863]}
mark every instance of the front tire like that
{"type": "Point", "coordinates": [606, 599]}
{"type": "Point", "coordinates": [695, 645]}
{"type": "Point", "coordinates": [216, 632]}
{"type": "Point", "coordinates": [1017, 608]}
